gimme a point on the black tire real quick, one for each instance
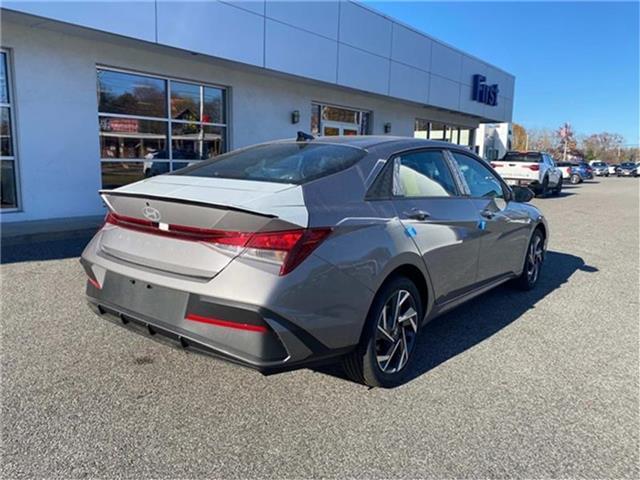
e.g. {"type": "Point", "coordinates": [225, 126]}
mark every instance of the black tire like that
{"type": "Point", "coordinates": [606, 175]}
{"type": "Point", "coordinates": [527, 280]}
{"type": "Point", "coordinates": [575, 179]}
{"type": "Point", "coordinates": [363, 364]}
{"type": "Point", "coordinates": [558, 189]}
{"type": "Point", "coordinates": [544, 189]}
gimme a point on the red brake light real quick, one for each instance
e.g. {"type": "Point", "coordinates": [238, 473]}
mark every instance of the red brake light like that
{"type": "Point", "coordinates": [534, 167]}
{"type": "Point", "coordinates": [237, 239]}
{"type": "Point", "coordinates": [284, 241]}
{"type": "Point", "coordinates": [122, 220]}
{"type": "Point", "coordinates": [293, 245]}
{"type": "Point", "coordinates": [496, 165]}
{"type": "Point", "coordinates": [296, 244]}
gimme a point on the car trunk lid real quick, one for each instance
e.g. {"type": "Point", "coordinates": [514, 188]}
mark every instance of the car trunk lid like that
{"type": "Point", "coordinates": [195, 226]}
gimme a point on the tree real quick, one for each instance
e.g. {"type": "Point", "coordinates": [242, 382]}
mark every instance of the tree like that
{"type": "Point", "coordinates": [603, 146]}
{"type": "Point", "coordinates": [541, 139]}
{"type": "Point", "coordinates": [519, 137]}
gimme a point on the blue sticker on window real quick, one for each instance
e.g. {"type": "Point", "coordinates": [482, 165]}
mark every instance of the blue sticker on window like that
{"type": "Point", "coordinates": [410, 231]}
{"type": "Point", "coordinates": [482, 225]}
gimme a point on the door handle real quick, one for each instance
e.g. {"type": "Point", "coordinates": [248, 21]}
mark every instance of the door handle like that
{"type": "Point", "coordinates": [488, 214]}
{"type": "Point", "coordinates": [417, 214]}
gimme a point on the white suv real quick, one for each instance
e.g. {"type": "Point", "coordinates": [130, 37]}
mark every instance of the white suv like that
{"type": "Point", "coordinates": [535, 170]}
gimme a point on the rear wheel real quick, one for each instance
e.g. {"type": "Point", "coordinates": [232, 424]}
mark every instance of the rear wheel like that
{"type": "Point", "coordinates": [558, 188]}
{"type": "Point", "coordinates": [575, 179]}
{"type": "Point", "coordinates": [544, 189]}
{"type": "Point", "coordinates": [532, 262]}
{"type": "Point", "coordinates": [389, 336]}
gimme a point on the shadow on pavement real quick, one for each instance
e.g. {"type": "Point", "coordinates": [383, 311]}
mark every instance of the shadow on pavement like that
{"type": "Point", "coordinates": [440, 340]}
{"type": "Point", "coordinates": [473, 322]}
{"type": "Point", "coordinates": [49, 250]}
{"type": "Point", "coordinates": [562, 194]}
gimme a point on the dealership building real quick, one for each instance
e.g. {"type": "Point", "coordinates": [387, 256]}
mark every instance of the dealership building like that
{"type": "Point", "coordinates": [98, 94]}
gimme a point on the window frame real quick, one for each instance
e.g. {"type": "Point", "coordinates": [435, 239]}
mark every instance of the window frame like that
{"type": "Point", "coordinates": [388, 178]}
{"type": "Point", "coordinates": [449, 130]}
{"type": "Point", "coordinates": [168, 119]}
{"type": "Point", "coordinates": [11, 105]}
{"type": "Point", "coordinates": [319, 105]}
{"type": "Point", "coordinates": [507, 193]}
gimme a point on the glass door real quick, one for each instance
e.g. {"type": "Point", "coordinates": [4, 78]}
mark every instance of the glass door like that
{"type": "Point", "coordinates": [330, 129]}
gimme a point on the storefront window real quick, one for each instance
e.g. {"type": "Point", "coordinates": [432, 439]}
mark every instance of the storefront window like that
{"type": "Point", "coordinates": [330, 120]}
{"type": "Point", "coordinates": [8, 183]}
{"type": "Point", "coordinates": [150, 125]}
{"type": "Point", "coordinates": [421, 129]}
{"type": "Point", "coordinates": [440, 131]}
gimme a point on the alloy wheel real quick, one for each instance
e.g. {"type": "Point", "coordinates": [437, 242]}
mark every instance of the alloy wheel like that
{"type": "Point", "coordinates": [397, 328]}
{"type": "Point", "coordinates": [534, 259]}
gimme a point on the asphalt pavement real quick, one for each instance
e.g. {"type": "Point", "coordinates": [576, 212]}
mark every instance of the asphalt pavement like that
{"type": "Point", "coordinates": [512, 384]}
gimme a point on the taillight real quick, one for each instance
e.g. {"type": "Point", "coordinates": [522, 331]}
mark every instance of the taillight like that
{"type": "Point", "coordinates": [287, 248]}
{"type": "Point", "coordinates": [533, 167]}
{"type": "Point", "coordinates": [496, 165]}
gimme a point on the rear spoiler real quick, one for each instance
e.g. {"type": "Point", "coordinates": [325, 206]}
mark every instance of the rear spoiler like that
{"type": "Point", "coordinates": [105, 193]}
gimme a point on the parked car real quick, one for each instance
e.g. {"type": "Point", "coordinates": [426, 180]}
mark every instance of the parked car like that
{"type": "Point", "coordinates": [292, 252]}
{"type": "Point", "coordinates": [600, 169]}
{"type": "Point", "coordinates": [613, 169]}
{"type": "Point", "coordinates": [586, 170]}
{"type": "Point", "coordinates": [535, 170]}
{"type": "Point", "coordinates": [627, 169]}
{"type": "Point", "coordinates": [570, 173]}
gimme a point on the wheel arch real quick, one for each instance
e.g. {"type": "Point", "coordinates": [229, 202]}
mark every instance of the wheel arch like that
{"type": "Point", "coordinates": [411, 266]}
{"type": "Point", "coordinates": [414, 273]}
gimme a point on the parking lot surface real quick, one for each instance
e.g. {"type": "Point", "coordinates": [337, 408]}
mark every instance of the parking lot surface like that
{"type": "Point", "coordinates": [537, 384]}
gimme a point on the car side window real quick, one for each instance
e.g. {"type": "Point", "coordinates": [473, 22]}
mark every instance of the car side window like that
{"type": "Point", "coordinates": [423, 174]}
{"type": "Point", "coordinates": [480, 180]}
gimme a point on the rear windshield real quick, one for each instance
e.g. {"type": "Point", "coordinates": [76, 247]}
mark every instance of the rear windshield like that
{"type": "Point", "coordinates": [599, 164]}
{"type": "Point", "coordinates": [523, 157]}
{"type": "Point", "coordinates": [294, 162]}
{"type": "Point", "coordinates": [628, 165]}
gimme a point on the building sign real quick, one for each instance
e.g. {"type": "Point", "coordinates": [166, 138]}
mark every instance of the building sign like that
{"type": "Point", "coordinates": [484, 93]}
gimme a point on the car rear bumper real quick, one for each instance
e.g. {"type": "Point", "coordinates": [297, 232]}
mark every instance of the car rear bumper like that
{"type": "Point", "coordinates": [270, 347]}
{"type": "Point", "coordinates": [521, 182]}
{"type": "Point", "coordinates": [246, 313]}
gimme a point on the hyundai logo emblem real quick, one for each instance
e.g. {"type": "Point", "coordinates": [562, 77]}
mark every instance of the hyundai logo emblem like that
{"type": "Point", "coordinates": [151, 213]}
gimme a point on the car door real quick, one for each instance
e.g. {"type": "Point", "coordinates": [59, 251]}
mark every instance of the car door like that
{"type": "Point", "coordinates": [554, 172]}
{"type": "Point", "coordinates": [442, 222]}
{"type": "Point", "coordinates": [504, 227]}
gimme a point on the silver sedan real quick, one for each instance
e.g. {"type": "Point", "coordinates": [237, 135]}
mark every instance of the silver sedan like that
{"type": "Point", "coordinates": [295, 252]}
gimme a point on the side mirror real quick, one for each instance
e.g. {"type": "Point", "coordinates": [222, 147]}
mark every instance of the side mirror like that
{"type": "Point", "coordinates": [522, 194]}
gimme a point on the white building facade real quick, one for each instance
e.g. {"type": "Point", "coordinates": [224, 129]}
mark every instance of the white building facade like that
{"type": "Point", "coordinates": [493, 140]}
{"type": "Point", "coordinates": [96, 95]}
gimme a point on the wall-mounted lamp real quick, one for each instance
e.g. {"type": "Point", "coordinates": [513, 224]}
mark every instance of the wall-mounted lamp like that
{"type": "Point", "coordinates": [387, 128]}
{"type": "Point", "coordinates": [295, 116]}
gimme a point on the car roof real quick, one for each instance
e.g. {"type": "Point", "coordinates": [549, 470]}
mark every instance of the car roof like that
{"type": "Point", "coordinates": [367, 141]}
